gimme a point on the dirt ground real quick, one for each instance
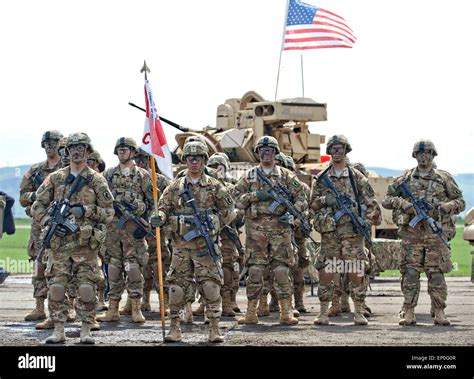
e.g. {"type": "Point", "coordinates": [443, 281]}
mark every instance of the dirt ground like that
{"type": "Point", "coordinates": [384, 299]}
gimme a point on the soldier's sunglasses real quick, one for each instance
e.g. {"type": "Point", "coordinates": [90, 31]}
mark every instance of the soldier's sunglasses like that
{"type": "Point", "coordinates": [337, 150]}
{"type": "Point", "coordinates": [194, 158]}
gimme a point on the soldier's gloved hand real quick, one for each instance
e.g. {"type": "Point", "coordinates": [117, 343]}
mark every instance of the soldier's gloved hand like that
{"type": "Point", "coordinates": [139, 233]}
{"type": "Point", "coordinates": [77, 210]}
{"type": "Point", "coordinates": [330, 200]}
{"type": "Point", "coordinates": [445, 208]}
{"type": "Point", "coordinates": [61, 231]}
{"type": "Point", "coordinates": [263, 195]}
{"type": "Point", "coordinates": [286, 219]}
{"type": "Point", "coordinates": [156, 221]}
{"type": "Point", "coordinates": [33, 197]}
{"type": "Point", "coordinates": [408, 208]}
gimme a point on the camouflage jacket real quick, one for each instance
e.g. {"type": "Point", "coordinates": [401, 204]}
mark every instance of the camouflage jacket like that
{"type": "Point", "coordinates": [437, 187]}
{"type": "Point", "coordinates": [210, 195]}
{"type": "Point", "coordinates": [246, 196]}
{"type": "Point", "coordinates": [135, 189]}
{"type": "Point", "coordinates": [324, 221]}
{"type": "Point", "coordinates": [94, 196]}
{"type": "Point", "coordinates": [32, 180]}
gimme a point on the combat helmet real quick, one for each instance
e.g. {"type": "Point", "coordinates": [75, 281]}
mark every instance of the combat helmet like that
{"type": "Point", "coordinates": [290, 163]}
{"type": "Point", "coordinates": [218, 159]}
{"type": "Point", "coordinates": [194, 148]}
{"type": "Point", "coordinates": [268, 141]}
{"type": "Point", "coordinates": [79, 138]}
{"type": "Point", "coordinates": [51, 134]}
{"type": "Point", "coordinates": [360, 167]}
{"type": "Point", "coordinates": [141, 153]}
{"type": "Point", "coordinates": [125, 142]}
{"type": "Point", "coordinates": [95, 156]}
{"type": "Point", "coordinates": [422, 145]}
{"type": "Point", "coordinates": [338, 139]}
{"type": "Point", "coordinates": [281, 158]}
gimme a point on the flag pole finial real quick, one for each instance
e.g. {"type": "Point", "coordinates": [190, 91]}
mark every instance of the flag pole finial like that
{"type": "Point", "coordinates": [145, 69]}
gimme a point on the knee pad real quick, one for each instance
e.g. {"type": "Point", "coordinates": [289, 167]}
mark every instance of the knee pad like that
{"type": "Point", "coordinates": [176, 295]}
{"type": "Point", "coordinates": [412, 275]}
{"type": "Point", "coordinates": [281, 274]}
{"type": "Point", "coordinates": [436, 279]}
{"type": "Point", "coordinates": [211, 291]}
{"type": "Point", "coordinates": [134, 272]}
{"type": "Point", "coordinates": [87, 293]}
{"type": "Point", "coordinates": [255, 274]}
{"type": "Point", "coordinates": [57, 292]}
{"type": "Point", "coordinates": [114, 273]}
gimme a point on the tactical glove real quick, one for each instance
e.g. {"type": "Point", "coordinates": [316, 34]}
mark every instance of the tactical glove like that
{"type": "Point", "coordinates": [286, 219]}
{"type": "Point", "coordinates": [139, 233]}
{"type": "Point", "coordinates": [61, 231]}
{"type": "Point", "coordinates": [77, 210]}
{"type": "Point", "coordinates": [330, 199]}
{"type": "Point", "coordinates": [264, 195]}
{"type": "Point", "coordinates": [445, 208]}
{"type": "Point", "coordinates": [408, 208]}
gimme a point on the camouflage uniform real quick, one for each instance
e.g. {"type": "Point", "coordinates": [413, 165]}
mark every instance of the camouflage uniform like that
{"type": "Point", "coordinates": [423, 251]}
{"type": "Point", "coordinates": [30, 183]}
{"type": "Point", "coordinates": [73, 257]}
{"type": "Point", "coordinates": [268, 235]}
{"type": "Point", "coordinates": [127, 249]}
{"type": "Point", "coordinates": [190, 259]}
{"type": "Point", "coordinates": [338, 240]}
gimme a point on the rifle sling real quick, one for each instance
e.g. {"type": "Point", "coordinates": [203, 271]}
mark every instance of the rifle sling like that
{"type": "Point", "coordinates": [356, 192]}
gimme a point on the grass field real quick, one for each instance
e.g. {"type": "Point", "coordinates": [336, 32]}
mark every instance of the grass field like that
{"type": "Point", "coordinates": [13, 248]}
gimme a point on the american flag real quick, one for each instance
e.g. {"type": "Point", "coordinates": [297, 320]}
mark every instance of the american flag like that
{"type": "Point", "coordinates": [310, 27]}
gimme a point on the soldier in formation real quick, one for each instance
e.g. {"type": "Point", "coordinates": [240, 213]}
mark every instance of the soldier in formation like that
{"type": "Point", "coordinates": [423, 249]}
{"type": "Point", "coordinates": [73, 254]}
{"type": "Point", "coordinates": [340, 242]}
{"type": "Point", "coordinates": [268, 231]}
{"type": "Point", "coordinates": [197, 258]}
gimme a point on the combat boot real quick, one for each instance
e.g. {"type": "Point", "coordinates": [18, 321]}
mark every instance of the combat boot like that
{"type": "Point", "coordinates": [200, 310]}
{"type": "Point", "coordinates": [409, 317]}
{"type": "Point", "coordinates": [432, 311]}
{"type": "Point", "coordinates": [95, 326]}
{"type": "Point", "coordinates": [335, 309]}
{"type": "Point", "coordinates": [296, 312]}
{"type": "Point", "coordinates": [226, 305]}
{"type": "Point", "coordinates": [273, 303]}
{"type": "Point", "coordinates": [137, 315]}
{"type": "Point", "coordinates": [440, 318]}
{"type": "Point", "coordinates": [146, 307]}
{"type": "Point", "coordinates": [263, 308]}
{"type": "Point", "coordinates": [71, 311]}
{"type": "Point", "coordinates": [112, 313]}
{"type": "Point", "coordinates": [174, 334]}
{"type": "Point", "coordinates": [37, 313]}
{"type": "Point", "coordinates": [286, 314]}
{"type": "Point", "coordinates": [233, 301]}
{"type": "Point", "coordinates": [299, 305]}
{"type": "Point", "coordinates": [251, 314]}
{"type": "Point", "coordinates": [366, 310]}
{"type": "Point", "coordinates": [359, 318]}
{"type": "Point", "coordinates": [345, 306]}
{"type": "Point", "coordinates": [323, 317]}
{"type": "Point", "coordinates": [46, 324]}
{"type": "Point", "coordinates": [86, 337]}
{"type": "Point", "coordinates": [58, 335]}
{"type": "Point", "coordinates": [101, 306]}
{"type": "Point", "coordinates": [214, 333]}
{"type": "Point", "coordinates": [187, 314]}
{"type": "Point", "coordinates": [126, 310]}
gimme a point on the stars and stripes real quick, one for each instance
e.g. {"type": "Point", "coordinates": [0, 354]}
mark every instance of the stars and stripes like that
{"type": "Point", "coordinates": [311, 27]}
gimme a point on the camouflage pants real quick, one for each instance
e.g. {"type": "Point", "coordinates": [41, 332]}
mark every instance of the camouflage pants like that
{"type": "Point", "coordinates": [150, 271]}
{"type": "Point", "coordinates": [268, 247]}
{"type": "Point", "coordinates": [424, 252]}
{"type": "Point", "coordinates": [230, 256]}
{"type": "Point", "coordinates": [38, 279]}
{"type": "Point", "coordinates": [342, 254]}
{"type": "Point", "coordinates": [126, 256]}
{"type": "Point", "coordinates": [299, 269]}
{"type": "Point", "coordinates": [67, 267]}
{"type": "Point", "coordinates": [188, 268]}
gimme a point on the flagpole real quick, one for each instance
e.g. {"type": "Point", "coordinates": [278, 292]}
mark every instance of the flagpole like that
{"type": "Point", "coordinates": [145, 69]}
{"type": "Point", "coordinates": [302, 74]}
{"type": "Point", "coordinates": [281, 49]}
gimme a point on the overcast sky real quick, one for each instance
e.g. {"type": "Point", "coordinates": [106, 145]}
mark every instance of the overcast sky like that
{"type": "Point", "coordinates": [74, 66]}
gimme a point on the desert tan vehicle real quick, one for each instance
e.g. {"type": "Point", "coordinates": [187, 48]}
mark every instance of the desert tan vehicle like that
{"type": "Point", "coordinates": [241, 122]}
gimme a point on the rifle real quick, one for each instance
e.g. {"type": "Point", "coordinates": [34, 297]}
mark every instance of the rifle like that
{"type": "Point", "coordinates": [59, 212]}
{"type": "Point", "coordinates": [281, 195]}
{"type": "Point", "coordinates": [36, 179]}
{"type": "Point", "coordinates": [125, 211]}
{"type": "Point", "coordinates": [422, 207]}
{"type": "Point", "coordinates": [231, 233]}
{"type": "Point", "coordinates": [204, 225]}
{"type": "Point", "coordinates": [345, 204]}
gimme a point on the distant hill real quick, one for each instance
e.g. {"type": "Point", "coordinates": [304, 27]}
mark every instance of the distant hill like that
{"type": "Point", "coordinates": [10, 178]}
